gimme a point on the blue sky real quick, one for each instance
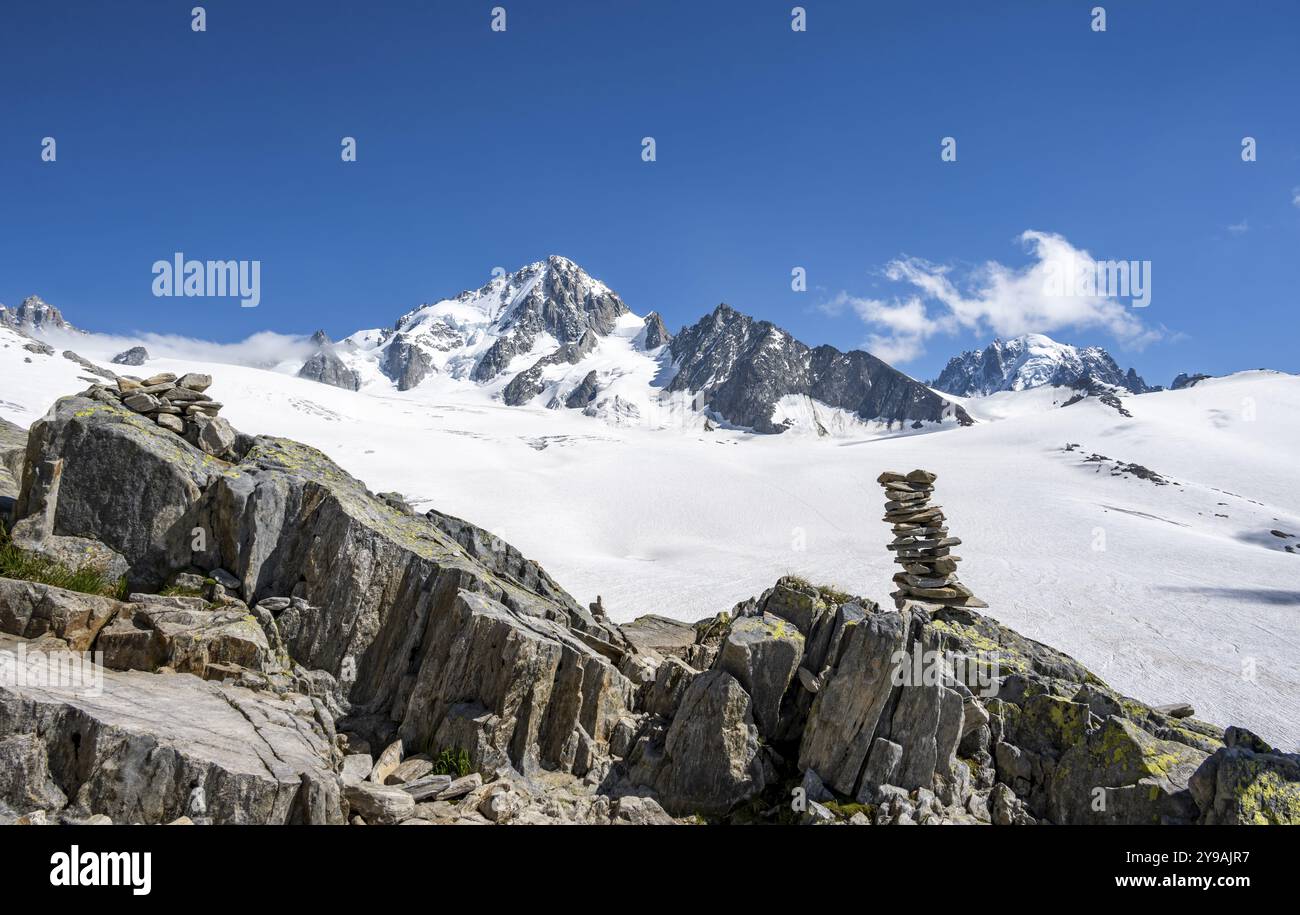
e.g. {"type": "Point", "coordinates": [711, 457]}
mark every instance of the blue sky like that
{"type": "Point", "coordinates": [774, 150]}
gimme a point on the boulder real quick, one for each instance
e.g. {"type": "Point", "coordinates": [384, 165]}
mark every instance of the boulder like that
{"type": "Point", "coordinates": [538, 688]}
{"type": "Point", "coordinates": [387, 763]}
{"type": "Point", "coordinates": [664, 694]}
{"type": "Point", "coordinates": [711, 753]}
{"type": "Point", "coordinates": [136, 355]}
{"type": "Point", "coordinates": [202, 642]}
{"type": "Point", "coordinates": [427, 786]}
{"type": "Point", "coordinates": [843, 718]}
{"type": "Point", "coordinates": [383, 598]}
{"type": "Point", "coordinates": [763, 653]}
{"type": "Point", "coordinates": [1118, 773]}
{"type": "Point", "coordinates": [356, 767]}
{"type": "Point", "coordinates": [659, 635]}
{"type": "Point", "coordinates": [410, 769]}
{"type": "Point", "coordinates": [639, 811]}
{"type": "Point", "coordinates": [379, 803]}
{"type": "Point", "coordinates": [194, 381]}
{"type": "Point", "coordinates": [1246, 782]}
{"type": "Point", "coordinates": [31, 610]}
{"type": "Point", "coordinates": [13, 448]}
{"type": "Point", "coordinates": [100, 471]}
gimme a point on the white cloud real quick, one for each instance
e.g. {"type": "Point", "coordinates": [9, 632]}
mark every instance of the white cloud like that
{"type": "Point", "coordinates": [995, 299]}
{"type": "Point", "coordinates": [266, 349]}
{"type": "Point", "coordinates": [1295, 196]}
{"type": "Point", "coordinates": [1240, 228]}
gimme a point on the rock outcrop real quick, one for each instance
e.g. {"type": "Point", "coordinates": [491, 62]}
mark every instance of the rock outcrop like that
{"type": "Point", "coordinates": [425, 627]}
{"type": "Point", "coordinates": [527, 384]}
{"type": "Point", "coordinates": [286, 620]}
{"type": "Point", "coordinates": [325, 366]}
{"type": "Point", "coordinates": [135, 356]}
{"type": "Point", "coordinates": [34, 314]}
{"type": "Point", "coordinates": [143, 748]}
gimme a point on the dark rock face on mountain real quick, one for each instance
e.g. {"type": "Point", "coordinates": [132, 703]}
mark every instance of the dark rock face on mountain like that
{"type": "Point", "coordinates": [584, 393]}
{"type": "Point", "coordinates": [34, 314]}
{"type": "Point", "coordinates": [136, 355]}
{"type": "Point", "coordinates": [655, 333]}
{"type": "Point", "coordinates": [1030, 361]}
{"type": "Point", "coordinates": [740, 368]}
{"type": "Point", "coordinates": [1186, 381]}
{"type": "Point", "coordinates": [406, 364]}
{"type": "Point", "coordinates": [526, 385]}
{"type": "Point", "coordinates": [565, 303]}
{"type": "Point", "coordinates": [326, 367]}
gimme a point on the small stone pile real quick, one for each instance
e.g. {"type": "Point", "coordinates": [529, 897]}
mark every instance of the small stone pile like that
{"type": "Point", "coordinates": [177, 404]}
{"type": "Point", "coordinates": [921, 543]}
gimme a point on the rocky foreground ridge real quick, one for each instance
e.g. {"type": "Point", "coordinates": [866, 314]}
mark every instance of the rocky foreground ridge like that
{"type": "Point", "coordinates": [287, 647]}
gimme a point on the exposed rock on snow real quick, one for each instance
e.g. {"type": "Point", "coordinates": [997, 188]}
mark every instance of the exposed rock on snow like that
{"type": "Point", "coordinates": [655, 333]}
{"type": "Point", "coordinates": [326, 367]}
{"type": "Point", "coordinates": [1186, 381]}
{"type": "Point", "coordinates": [740, 369]}
{"type": "Point", "coordinates": [136, 355]}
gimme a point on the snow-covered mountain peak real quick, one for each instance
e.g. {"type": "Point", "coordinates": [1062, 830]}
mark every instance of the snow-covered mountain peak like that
{"type": "Point", "coordinates": [481, 334]}
{"type": "Point", "coordinates": [1030, 361]}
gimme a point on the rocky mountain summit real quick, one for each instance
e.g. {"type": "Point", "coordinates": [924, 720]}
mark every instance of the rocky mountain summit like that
{"type": "Point", "coordinates": [1031, 361]}
{"type": "Point", "coordinates": [740, 368]}
{"type": "Point", "coordinates": [285, 646]}
{"type": "Point", "coordinates": [325, 366]}
{"type": "Point", "coordinates": [34, 314]}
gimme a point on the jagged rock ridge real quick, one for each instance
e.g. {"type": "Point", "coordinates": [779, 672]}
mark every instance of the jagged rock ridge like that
{"type": "Point", "coordinates": [1030, 361]}
{"type": "Point", "coordinates": [740, 368]}
{"type": "Point", "coordinates": [34, 314]}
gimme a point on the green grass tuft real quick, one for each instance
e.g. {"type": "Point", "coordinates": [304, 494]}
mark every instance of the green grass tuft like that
{"type": "Point", "coordinates": [453, 761]}
{"type": "Point", "coordinates": [25, 566]}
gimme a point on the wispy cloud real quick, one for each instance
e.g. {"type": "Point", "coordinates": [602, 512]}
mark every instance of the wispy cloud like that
{"type": "Point", "coordinates": [990, 299]}
{"type": "Point", "coordinates": [1295, 196]}
{"type": "Point", "coordinates": [1239, 228]}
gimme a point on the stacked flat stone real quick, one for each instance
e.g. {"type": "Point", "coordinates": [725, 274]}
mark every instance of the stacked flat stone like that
{"type": "Point", "coordinates": [921, 543]}
{"type": "Point", "coordinates": [176, 404]}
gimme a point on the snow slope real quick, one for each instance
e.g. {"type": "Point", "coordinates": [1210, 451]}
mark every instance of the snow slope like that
{"type": "Point", "coordinates": [1175, 592]}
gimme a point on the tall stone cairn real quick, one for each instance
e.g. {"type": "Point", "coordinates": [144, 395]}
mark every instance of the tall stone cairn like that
{"type": "Point", "coordinates": [921, 543]}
